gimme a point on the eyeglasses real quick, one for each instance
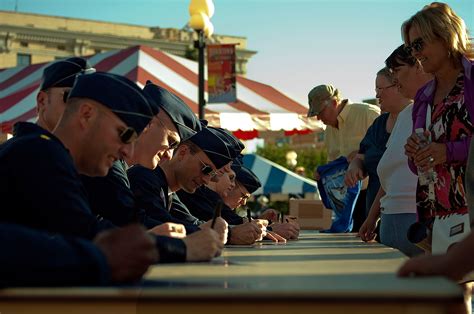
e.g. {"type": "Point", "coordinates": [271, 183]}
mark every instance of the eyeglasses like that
{"type": "Point", "coordinates": [416, 45]}
{"type": "Point", "coordinates": [128, 135]}
{"type": "Point", "coordinates": [380, 89]}
{"type": "Point", "coordinates": [174, 142]}
{"type": "Point", "coordinates": [244, 196]}
{"type": "Point", "coordinates": [206, 169]}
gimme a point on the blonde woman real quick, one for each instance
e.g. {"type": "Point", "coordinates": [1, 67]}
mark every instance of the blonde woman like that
{"type": "Point", "coordinates": [437, 37]}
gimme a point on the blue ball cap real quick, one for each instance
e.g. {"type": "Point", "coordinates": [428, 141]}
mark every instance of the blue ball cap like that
{"type": "Point", "coordinates": [62, 73]}
{"type": "Point", "coordinates": [182, 116]}
{"type": "Point", "coordinates": [122, 96]}
{"type": "Point", "coordinates": [246, 177]}
{"type": "Point", "coordinates": [236, 145]}
{"type": "Point", "coordinates": [218, 151]}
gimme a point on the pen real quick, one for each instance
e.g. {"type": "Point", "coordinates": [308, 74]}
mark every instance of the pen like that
{"type": "Point", "coordinates": [217, 213]}
{"type": "Point", "coordinates": [249, 216]}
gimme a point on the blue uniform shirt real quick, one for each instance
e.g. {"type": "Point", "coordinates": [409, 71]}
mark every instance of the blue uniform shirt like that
{"type": "Point", "coordinates": [203, 202]}
{"type": "Point", "coordinates": [41, 188]}
{"type": "Point", "coordinates": [33, 258]}
{"type": "Point", "coordinates": [110, 197]}
{"type": "Point", "coordinates": [150, 189]}
{"type": "Point", "coordinates": [180, 211]}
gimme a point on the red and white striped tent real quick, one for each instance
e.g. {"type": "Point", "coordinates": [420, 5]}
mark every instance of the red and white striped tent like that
{"type": "Point", "coordinates": [258, 107]}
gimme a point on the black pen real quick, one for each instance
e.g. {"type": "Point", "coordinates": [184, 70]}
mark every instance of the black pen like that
{"type": "Point", "coordinates": [217, 213]}
{"type": "Point", "coordinates": [249, 216]}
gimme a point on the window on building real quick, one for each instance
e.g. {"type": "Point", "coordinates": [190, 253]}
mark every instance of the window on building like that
{"type": "Point", "coordinates": [23, 59]}
{"type": "Point", "coordinates": [23, 44]}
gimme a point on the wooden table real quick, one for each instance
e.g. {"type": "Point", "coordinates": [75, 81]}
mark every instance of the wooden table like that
{"type": "Point", "coordinates": [320, 273]}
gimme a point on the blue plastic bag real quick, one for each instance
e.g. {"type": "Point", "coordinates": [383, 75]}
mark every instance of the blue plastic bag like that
{"type": "Point", "coordinates": [336, 195]}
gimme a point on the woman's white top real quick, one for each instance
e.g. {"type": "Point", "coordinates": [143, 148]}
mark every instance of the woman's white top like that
{"type": "Point", "coordinates": [396, 178]}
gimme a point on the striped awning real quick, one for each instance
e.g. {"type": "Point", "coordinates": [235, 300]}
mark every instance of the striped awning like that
{"type": "Point", "coordinates": [259, 106]}
{"type": "Point", "coordinates": [277, 179]}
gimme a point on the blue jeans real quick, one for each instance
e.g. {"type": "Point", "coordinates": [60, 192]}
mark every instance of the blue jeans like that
{"type": "Point", "coordinates": [393, 232]}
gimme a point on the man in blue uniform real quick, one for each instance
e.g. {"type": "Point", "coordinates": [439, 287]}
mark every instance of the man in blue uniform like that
{"type": "Point", "coordinates": [40, 183]}
{"type": "Point", "coordinates": [246, 183]}
{"type": "Point", "coordinates": [180, 211]}
{"type": "Point", "coordinates": [194, 163]}
{"type": "Point", "coordinates": [241, 231]}
{"type": "Point", "coordinates": [56, 83]}
{"type": "Point", "coordinates": [34, 258]}
{"type": "Point", "coordinates": [110, 196]}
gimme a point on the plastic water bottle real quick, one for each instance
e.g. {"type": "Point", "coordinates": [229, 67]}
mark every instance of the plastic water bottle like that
{"type": "Point", "coordinates": [428, 176]}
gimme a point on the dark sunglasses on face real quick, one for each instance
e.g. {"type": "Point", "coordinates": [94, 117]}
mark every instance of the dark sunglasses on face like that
{"type": "Point", "coordinates": [243, 196]}
{"type": "Point", "coordinates": [173, 145]}
{"type": "Point", "coordinates": [206, 169]}
{"type": "Point", "coordinates": [416, 45]}
{"type": "Point", "coordinates": [174, 142]}
{"type": "Point", "coordinates": [128, 135]}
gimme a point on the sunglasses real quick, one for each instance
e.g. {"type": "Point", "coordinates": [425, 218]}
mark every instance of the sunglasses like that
{"type": "Point", "coordinates": [174, 142]}
{"type": "Point", "coordinates": [416, 45]}
{"type": "Point", "coordinates": [129, 134]}
{"type": "Point", "coordinates": [206, 169]}
{"type": "Point", "coordinates": [243, 196]}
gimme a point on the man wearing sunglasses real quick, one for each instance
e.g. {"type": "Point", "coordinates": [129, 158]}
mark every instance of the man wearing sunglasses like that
{"type": "Point", "coordinates": [203, 201]}
{"type": "Point", "coordinates": [110, 196]}
{"type": "Point", "coordinates": [179, 210]}
{"type": "Point", "coordinates": [40, 185]}
{"type": "Point", "coordinates": [193, 164]}
{"type": "Point", "coordinates": [112, 199]}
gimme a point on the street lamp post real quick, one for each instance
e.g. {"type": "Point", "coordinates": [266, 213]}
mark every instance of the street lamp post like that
{"type": "Point", "coordinates": [200, 44]}
{"type": "Point", "coordinates": [200, 12]}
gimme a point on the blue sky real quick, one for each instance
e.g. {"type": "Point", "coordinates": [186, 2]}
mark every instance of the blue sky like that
{"type": "Point", "coordinates": [300, 43]}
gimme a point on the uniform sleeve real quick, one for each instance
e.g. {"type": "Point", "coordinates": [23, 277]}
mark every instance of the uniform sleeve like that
{"type": "Point", "coordinates": [110, 197]}
{"type": "Point", "coordinates": [56, 200]}
{"type": "Point", "coordinates": [180, 211]}
{"type": "Point", "coordinates": [171, 250]}
{"type": "Point", "coordinates": [148, 193]}
{"type": "Point", "coordinates": [231, 216]}
{"type": "Point", "coordinates": [33, 258]}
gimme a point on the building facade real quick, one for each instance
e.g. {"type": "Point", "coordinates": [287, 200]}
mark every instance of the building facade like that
{"type": "Point", "coordinates": [27, 38]}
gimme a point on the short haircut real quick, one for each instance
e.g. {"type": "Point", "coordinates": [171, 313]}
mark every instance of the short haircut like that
{"type": "Point", "coordinates": [193, 148]}
{"type": "Point", "coordinates": [72, 106]}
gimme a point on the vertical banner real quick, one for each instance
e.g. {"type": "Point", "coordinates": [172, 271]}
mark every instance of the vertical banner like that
{"type": "Point", "coordinates": [221, 79]}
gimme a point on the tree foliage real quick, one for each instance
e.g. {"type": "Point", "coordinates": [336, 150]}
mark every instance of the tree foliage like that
{"type": "Point", "coordinates": [309, 158]}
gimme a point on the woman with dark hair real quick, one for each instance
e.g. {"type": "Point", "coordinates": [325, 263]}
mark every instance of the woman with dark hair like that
{"type": "Point", "coordinates": [395, 202]}
{"type": "Point", "coordinates": [437, 37]}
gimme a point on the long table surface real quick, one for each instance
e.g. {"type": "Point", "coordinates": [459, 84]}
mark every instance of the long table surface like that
{"type": "Point", "coordinates": [322, 273]}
